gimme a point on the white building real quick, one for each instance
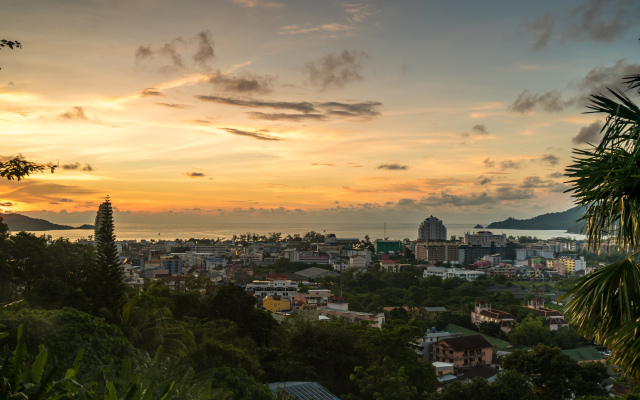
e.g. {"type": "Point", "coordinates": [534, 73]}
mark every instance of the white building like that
{"type": "Point", "coordinates": [432, 229]}
{"type": "Point", "coordinates": [447, 273]}
{"type": "Point", "coordinates": [280, 287]}
{"type": "Point", "coordinates": [485, 238]}
{"type": "Point", "coordinates": [358, 262]}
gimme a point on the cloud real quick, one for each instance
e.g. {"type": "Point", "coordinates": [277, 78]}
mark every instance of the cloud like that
{"type": "Point", "coordinates": [510, 164]}
{"type": "Point", "coordinates": [174, 105]}
{"type": "Point", "coordinates": [205, 49]}
{"type": "Point", "coordinates": [149, 92]}
{"type": "Point", "coordinates": [555, 175]}
{"type": "Point", "coordinates": [480, 129]}
{"type": "Point", "coordinates": [596, 81]}
{"type": "Point", "coordinates": [509, 193]}
{"type": "Point", "coordinates": [259, 135]}
{"type": "Point", "coordinates": [326, 165]}
{"type": "Point", "coordinates": [483, 180]}
{"type": "Point", "coordinates": [393, 167]}
{"type": "Point", "coordinates": [534, 182]}
{"type": "Point", "coordinates": [489, 163]}
{"type": "Point", "coordinates": [65, 200]}
{"type": "Point", "coordinates": [195, 174]}
{"type": "Point", "coordinates": [168, 57]}
{"type": "Point", "coordinates": [601, 21]}
{"type": "Point", "coordinates": [594, 20]}
{"type": "Point", "coordinates": [77, 166]}
{"type": "Point", "coordinates": [304, 107]}
{"type": "Point", "coordinates": [76, 113]}
{"type": "Point", "coordinates": [258, 4]}
{"type": "Point", "coordinates": [550, 159]}
{"type": "Point", "coordinates": [286, 117]}
{"type": "Point", "coordinates": [357, 12]}
{"type": "Point", "coordinates": [589, 133]}
{"type": "Point", "coordinates": [336, 70]}
{"type": "Point", "coordinates": [542, 28]}
{"type": "Point", "coordinates": [527, 101]}
{"type": "Point", "coordinates": [245, 83]}
{"type": "Point", "coordinates": [365, 109]}
{"type": "Point", "coordinates": [6, 204]}
{"type": "Point", "coordinates": [329, 28]}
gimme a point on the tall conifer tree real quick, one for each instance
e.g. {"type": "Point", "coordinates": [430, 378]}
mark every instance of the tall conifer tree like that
{"type": "Point", "coordinates": [106, 283]}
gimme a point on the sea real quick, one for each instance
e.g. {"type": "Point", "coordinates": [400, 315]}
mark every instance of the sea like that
{"type": "Point", "coordinates": [393, 231]}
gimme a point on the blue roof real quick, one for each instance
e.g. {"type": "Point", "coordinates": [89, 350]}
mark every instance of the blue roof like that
{"type": "Point", "coordinates": [304, 390]}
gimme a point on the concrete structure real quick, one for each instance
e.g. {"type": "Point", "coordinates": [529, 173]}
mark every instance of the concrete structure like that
{"type": "Point", "coordinates": [438, 252]}
{"type": "Point", "coordinates": [447, 273]}
{"type": "Point", "coordinates": [485, 238]}
{"type": "Point", "coordinates": [358, 262]}
{"type": "Point", "coordinates": [278, 287]}
{"type": "Point", "coordinates": [484, 313]}
{"type": "Point", "coordinates": [337, 307]}
{"type": "Point", "coordinates": [463, 352]}
{"type": "Point", "coordinates": [432, 229]}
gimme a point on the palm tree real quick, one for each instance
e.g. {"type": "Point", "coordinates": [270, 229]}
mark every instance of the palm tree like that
{"type": "Point", "coordinates": [605, 179]}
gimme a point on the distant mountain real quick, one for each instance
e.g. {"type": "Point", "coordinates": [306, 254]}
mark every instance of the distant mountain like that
{"type": "Point", "coordinates": [18, 223]}
{"type": "Point", "coordinates": [565, 220]}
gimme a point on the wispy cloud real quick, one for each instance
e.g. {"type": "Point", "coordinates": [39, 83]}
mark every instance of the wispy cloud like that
{"type": "Point", "coordinates": [328, 28]}
{"type": "Point", "coordinates": [259, 135]}
{"type": "Point", "coordinates": [304, 107]}
{"type": "Point", "coordinates": [175, 105]}
{"type": "Point", "coordinates": [259, 4]}
{"type": "Point", "coordinates": [286, 117]}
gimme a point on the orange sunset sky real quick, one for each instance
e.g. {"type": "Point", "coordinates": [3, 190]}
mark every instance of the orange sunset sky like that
{"type": "Point", "coordinates": [273, 110]}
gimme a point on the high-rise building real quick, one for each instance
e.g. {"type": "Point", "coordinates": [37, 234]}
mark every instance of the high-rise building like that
{"type": "Point", "coordinates": [432, 229]}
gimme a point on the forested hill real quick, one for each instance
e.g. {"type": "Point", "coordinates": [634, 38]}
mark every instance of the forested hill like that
{"type": "Point", "coordinates": [18, 222]}
{"type": "Point", "coordinates": [565, 220]}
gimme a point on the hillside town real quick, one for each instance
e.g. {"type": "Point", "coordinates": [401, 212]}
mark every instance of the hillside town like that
{"type": "Point", "coordinates": [303, 276]}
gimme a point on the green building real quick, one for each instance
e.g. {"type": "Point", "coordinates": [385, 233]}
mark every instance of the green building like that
{"type": "Point", "coordinates": [387, 246]}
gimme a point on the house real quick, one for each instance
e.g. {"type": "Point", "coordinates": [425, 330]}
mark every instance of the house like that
{"type": "Point", "coordinates": [280, 287]}
{"type": "Point", "coordinates": [555, 318]}
{"type": "Point", "coordinates": [464, 352]}
{"type": "Point", "coordinates": [484, 313]}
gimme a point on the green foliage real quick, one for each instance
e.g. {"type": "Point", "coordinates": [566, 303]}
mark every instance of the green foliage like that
{"type": "Point", "coordinates": [508, 385]}
{"type": "Point", "coordinates": [64, 332]}
{"type": "Point", "coordinates": [554, 375]}
{"type": "Point", "coordinates": [530, 332]}
{"type": "Point", "coordinates": [18, 168]}
{"type": "Point", "coordinates": [106, 288]}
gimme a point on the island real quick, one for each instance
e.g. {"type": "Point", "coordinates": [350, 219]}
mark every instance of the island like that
{"type": "Point", "coordinates": [19, 222]}
{"type": "Point", "coordinates": [566, 220]}
{"type": "Point", "coordinates": [478, 226]}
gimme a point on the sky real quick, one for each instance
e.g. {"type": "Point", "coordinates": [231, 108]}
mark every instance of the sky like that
{"type": "Point", "coordinates": [276, 110]}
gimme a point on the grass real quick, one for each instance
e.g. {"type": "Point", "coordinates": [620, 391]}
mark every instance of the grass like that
{"type": "Point", "coordinates": [495, 342]}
